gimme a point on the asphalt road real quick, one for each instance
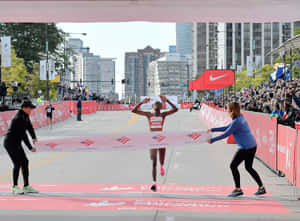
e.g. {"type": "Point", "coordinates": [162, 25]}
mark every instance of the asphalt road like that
{"type": "Point", "coordinates": [115, 185]}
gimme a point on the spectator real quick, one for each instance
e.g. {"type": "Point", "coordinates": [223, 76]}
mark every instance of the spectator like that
{"type": "Point", "coordinates": [267, 97]}
{"type": "Point", "coordinates": [277, 112]}
{"type": "Point", "coordinates": [291, 115]}
{"type": "Point", "coordinates": [79, 106]}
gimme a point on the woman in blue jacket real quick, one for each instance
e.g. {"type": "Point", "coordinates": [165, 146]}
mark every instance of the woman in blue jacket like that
{"type": "Point", "coordinates": [241, 132]}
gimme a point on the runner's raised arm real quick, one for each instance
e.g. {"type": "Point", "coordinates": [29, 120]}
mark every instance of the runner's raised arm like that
{"type": "Point", "coordinates": [139, 112]}
{"type": "Point", "coordinates": [174, 108]}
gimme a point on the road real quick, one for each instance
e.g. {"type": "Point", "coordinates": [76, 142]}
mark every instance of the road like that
{"type": "Point", "coordinates": [115, 185]}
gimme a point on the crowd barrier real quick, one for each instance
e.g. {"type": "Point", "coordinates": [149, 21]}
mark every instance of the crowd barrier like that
{"type": "Point", "coordinates": [278, 145]}
{"type": "Point", "coordinates": [38, 116]}
{"type": "Point", "coordinates": [87, 107]}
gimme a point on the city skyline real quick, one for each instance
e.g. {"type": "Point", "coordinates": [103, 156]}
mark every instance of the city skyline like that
{"type": "Point", "coordinates": [115, 39]}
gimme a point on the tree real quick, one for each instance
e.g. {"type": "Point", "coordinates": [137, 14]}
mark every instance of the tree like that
{"type": "Point", "coordinates": [297, 31]}
{"type": "Point", "coordinates": [36, 84]}
{"type": "Point", "coordinates": [30, 82]}
{"type": "Point", "coordinates": [17, 72]}
{"type": "Point", "coordinates": [258, 77]}
{"type": "Point", "coordinates": [29, 41]}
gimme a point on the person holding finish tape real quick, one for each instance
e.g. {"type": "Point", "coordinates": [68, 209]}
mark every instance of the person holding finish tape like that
{"type": "Point", "coordinates": [247, 147]}
{"type": "Point", "coordinates": [12, 143]}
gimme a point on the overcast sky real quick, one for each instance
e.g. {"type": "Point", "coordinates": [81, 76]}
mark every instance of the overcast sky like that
{"type": "Point", "coordinates": [114, 39]}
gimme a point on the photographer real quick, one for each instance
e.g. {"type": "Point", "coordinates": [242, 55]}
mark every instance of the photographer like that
{"type": "Point", "coordinates": [3, 92]}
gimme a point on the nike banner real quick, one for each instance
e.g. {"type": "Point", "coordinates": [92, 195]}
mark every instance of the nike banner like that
{"type": "Point", "coordinates": [213, 79]}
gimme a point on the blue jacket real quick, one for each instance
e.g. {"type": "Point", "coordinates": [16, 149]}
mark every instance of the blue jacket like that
{"type": "Point", "coordinates": [241, 133]}
{"type": "Point", "coordinates": [279, 112]}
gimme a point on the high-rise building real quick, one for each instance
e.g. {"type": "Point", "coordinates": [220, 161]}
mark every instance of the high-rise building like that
{"type": "Point", "coordinates": [91, 73]}
{"type": "Point", "coordinates": [107, 77]}
{"type": "Point", "coordinates": [252, 39]}
{"type": "Point", "coordinates": [227, 45]}
{"type": "Point", "coordinates": [205, 47]}
{"type": "Point", "coordinates": [75, 71]}
{"type": "Point", "coordinates": [169, 76]}
{"type": "Point", "coordinates": [75, 44]}
{"type": "Point", "coordinates": [136, 69]}
{"type": "Point", "coordinates": [184, 38]}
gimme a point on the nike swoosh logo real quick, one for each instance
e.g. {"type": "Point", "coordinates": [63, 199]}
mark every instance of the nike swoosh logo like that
{"type": "Point", "coordinates": [211, 78]}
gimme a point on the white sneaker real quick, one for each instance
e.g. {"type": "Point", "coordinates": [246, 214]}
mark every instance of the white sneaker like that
{"type": "Point", "coordinates": [29, 189]}
{"type": "Point", "coordinates": [17, 190]}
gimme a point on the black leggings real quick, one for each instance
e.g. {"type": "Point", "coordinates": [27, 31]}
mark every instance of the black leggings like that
{"type": "Point", "coordinates": [247, 156]}
{"type": "Point", "coordinates": [20, 161]}
{"type": "Point", "coordinates": [153, 156]}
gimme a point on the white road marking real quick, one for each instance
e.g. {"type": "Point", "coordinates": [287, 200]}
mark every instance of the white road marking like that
{"type": "Point", "coordinates": [105, 203]}
{"type": "Point", "coordinates": [116, 188]}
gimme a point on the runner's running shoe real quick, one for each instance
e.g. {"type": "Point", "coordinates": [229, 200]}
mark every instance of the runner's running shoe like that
{"type": "Point", "coordinates": [260, 191]}
{"type": "Point", "coordinates": [29, 189]}
{"type": "Point", "coordinates": [17, 190]}
{"type": "Point", "coordinates": [236, 192]}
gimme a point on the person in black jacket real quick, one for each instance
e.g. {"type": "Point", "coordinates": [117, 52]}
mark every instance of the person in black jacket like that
{"type": "Point", "coordinates": [79, 105]}
{"type": "Point", "coordinates": [12, 143]}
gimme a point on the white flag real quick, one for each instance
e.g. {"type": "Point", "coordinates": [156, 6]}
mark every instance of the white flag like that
{"type": "Point", "coordinates": [51, 69]}
{"type": "Point", "coordinates": [6, 51]}
{"type": "Point", "coordinates": [43, 70]}
{"type": "Point", "coordinates": [249, 66]}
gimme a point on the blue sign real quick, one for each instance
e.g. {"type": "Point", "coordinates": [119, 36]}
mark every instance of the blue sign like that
{"type": "Point", "coordinates": [172, 48]}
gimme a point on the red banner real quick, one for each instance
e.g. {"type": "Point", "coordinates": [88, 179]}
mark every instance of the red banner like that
{"type": "Point", "coordinates": [264, 131]}
{"type": "Point", "coordinates": [213, 79]}
{"type": "Point", "coordinates": [186, 105]}
{"type": "Point", "coordinates": [286, 151]}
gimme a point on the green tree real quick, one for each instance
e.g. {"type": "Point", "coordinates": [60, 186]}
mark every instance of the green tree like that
{"type": "Point", "coordinates": [262, 75]}
{"type": "Point", "coordinates": [36, 84]}
{"type": "Point", "coordinates": [30, 82]}
{"type": "Point", "coordinates": [29, 41]}
{"type": "Point", "coordinates": [17, 72]}
{"type": "Point", "coordinates": [297, 31]}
